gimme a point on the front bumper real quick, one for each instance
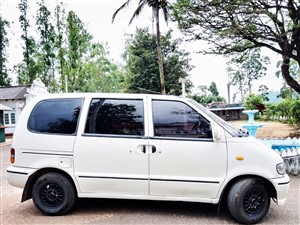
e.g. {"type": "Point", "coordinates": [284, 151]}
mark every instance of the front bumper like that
{"type": "Point", "coordinates": [282, 186]}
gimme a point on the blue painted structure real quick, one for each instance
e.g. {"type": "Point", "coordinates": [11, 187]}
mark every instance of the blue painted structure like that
{"type": "Point", "coordinates": [251, 126]}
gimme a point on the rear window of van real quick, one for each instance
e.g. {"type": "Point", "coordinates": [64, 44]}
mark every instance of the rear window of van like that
{"type": "Point", "coordinates": [55, 116]}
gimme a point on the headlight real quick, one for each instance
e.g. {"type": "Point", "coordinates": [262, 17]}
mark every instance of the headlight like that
{"type": "Point", "coordinates": [280, 168]}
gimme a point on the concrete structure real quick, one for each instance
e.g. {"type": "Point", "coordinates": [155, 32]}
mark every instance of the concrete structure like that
{"type": "Point", "coordinates": [251, 126]}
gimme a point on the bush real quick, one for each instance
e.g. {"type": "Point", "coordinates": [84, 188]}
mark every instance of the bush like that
{"type": "Point", "coordinates": [252, 101]}
{"type": "Point", "coordinates": [270, 112]}
{"type": "Point", "coordinates": [295, 112]}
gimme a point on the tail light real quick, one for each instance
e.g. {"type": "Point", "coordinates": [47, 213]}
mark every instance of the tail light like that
{"type": "Point", "coordinates": [12, 155]}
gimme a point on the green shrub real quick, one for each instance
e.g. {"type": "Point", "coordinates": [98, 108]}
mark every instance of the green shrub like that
{"type": "Point", "coordinates": [252, 101]}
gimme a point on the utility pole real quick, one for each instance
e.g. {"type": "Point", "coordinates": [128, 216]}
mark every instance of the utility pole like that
{"type": "Point", "coordinates": [228, 92]}
{"type": "Point", "coordinates": [182, 81]}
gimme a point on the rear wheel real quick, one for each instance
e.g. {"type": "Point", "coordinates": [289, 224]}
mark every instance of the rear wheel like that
{"type": "Point", "coordinates": [248, 201]}
{"type": "Point", "coordinates": [53, 194]}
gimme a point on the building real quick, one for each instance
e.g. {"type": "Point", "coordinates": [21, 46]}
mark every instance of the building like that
{"type": "Point", "coordinates": [12, 101]}
{"type": "Point", "coordinates": [230, 113]}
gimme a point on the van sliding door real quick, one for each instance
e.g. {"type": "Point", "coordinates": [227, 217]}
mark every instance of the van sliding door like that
{"type": "Point", "coordinates": [110, 155]}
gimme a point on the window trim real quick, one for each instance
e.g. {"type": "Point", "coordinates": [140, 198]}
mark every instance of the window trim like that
{"type": "Point", "coordinates": [113, 136]}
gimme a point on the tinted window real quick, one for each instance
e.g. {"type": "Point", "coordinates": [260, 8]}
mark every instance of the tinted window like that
{"type": "Point", "coordinates": [55, 116]}
{"type": "Point", "coordinates": [115, 116]}
{"type": "Point", "coordinates": [176, 119]}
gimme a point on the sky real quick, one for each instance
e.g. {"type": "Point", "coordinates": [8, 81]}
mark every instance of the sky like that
{"type": "Point", "coordinates": [97, 14]}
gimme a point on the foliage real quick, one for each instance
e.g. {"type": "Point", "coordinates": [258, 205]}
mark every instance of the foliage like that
{"type": "Point", "coordinates": [205, 100]}
{"type": "Point", "coordinates": [294, 112]}
{"type": "Point", "coordinates": [245, 68]}
{"type": "Point", "coordinates": [285, 92]}
{"type": "Point", "coordinates": [213, 89]}
{"type": "Point", "coordinates": [208, 95]}
{"type": "Point", "coordinates": [45, 47]}
{"type": "Point", "coordinates": [293, 70]}
{"type": "Point", "coordinates": [156, 6]}
{"type": "Point", "coordinates": [263, 90]}
{"type": "Point", "coordinates": [28, 69]}
{"type": "Point", "coordinates": [287, 110]}
{"type": "Point", "coordinates": [252, 101]}
{"type": "Point", "coordinates": [142, 74]}
{"type": "Point", "coordinates": [101, 75]}
{"type": "Point", "coordinates": [64, 55]}
{"type": "Point", "coordinates": [60, 44]}
{"type": "Point", "coordinates": [4, 42]}
{"type": "Point", "coordinates": [237, 25]}
{"type": "Point", "coordinates": [86, 65]}
{"type": "Point", "coordinates": [270, 112]}
{"type": "Point", "coordinates": [78, 41]}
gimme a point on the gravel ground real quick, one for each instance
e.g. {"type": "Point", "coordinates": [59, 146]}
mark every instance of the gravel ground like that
{"type": "Point", "coordinates": [270, 129]}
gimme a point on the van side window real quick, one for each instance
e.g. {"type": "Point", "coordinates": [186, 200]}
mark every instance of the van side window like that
{"type": "Point", "coordinates": [55, 116]}
{"type": "Point", "coordinates": [116, 116]}
{"type": "Point", "coordinates": [176, 119]}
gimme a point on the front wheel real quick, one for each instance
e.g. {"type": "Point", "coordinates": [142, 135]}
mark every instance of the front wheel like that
{"type": "Point", "coordinates": [248, 201]}
{"type": "Point", "coordinates": [53, 194]}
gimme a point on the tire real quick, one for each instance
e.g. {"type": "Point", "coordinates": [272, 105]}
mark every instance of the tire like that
{"type": "Point", "coordinates": [248, 201]}
{"type": "Point", "coordinates": [53, 194]}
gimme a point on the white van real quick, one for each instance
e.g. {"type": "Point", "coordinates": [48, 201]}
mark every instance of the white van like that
{"type": "Point", "coordinates": [135, 146]}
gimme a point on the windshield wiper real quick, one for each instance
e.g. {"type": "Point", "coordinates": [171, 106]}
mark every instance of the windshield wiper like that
{"type": "Point", "coordinates": [243, 133]}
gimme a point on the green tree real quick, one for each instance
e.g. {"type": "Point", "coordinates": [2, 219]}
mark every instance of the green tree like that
{"type": "Point", "coordinates": [252, 101]}
{"type": "Point", "coordinates": [213, 89]}
{"type": "Point", "coordinates": [78, 44]}
{"type": "Point", "coordinates": [46, 45]}
{"type": "Point", "coordinates": [28, 69]}
{"type": "Point", "coordinates": [286, 91]}
{"type": "Point", "coordinates": [141, 64]}
{"type": "Point", "coordinates": [4, 42]}
{"type": "Point", "coordinates": [60, 43]}
{"type": "Point", "coordinates": [206, 95]}
{"type": "Point", "coordinates": [263, 90]}
{"type": "Point", "coordinates": [100, 74]}
{"type": "Point", "coordinates": [245, 68]}
{"type": "Point", "coordinates": [235, 26]}
{"type": "Point", "coordinates": [156, 6]}
{"type": "Point", "coordinates": [294, 112]}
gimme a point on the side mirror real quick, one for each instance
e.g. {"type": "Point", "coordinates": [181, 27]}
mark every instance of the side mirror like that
{"type": "Point", "coordinates": [218, 133]}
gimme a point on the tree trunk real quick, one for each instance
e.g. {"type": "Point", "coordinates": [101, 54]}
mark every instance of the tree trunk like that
{"type": "Point", "coordinates": [159, 52]}
{"type": "Point", "coordinates": [286, 74]}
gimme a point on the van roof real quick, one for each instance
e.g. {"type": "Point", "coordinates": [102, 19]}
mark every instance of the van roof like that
{"type": "Point", "coordinates": [106, 95]}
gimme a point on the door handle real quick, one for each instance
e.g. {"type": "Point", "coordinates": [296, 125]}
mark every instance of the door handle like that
{"type": "Point", "coordinates": [153, 149]}
{"type": "Point", "coordinates": [143, 149]}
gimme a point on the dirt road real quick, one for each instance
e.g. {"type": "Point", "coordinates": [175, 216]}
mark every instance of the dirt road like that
{"type": "Point", "coordinates": [270, 129]}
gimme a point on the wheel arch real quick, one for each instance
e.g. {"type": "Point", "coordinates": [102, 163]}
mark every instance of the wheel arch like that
{"type": "Point", "coordinates": [269, 186]}
{"type": "Point", "coordinates": [27, 192]}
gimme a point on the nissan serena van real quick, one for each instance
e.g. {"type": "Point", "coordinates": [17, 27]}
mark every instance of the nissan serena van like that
{"type": "Point", "coordinates": [133, 146]}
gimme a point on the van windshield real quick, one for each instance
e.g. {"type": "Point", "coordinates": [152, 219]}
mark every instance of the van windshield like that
{"type": "Point", "coordinates": [231, 130]}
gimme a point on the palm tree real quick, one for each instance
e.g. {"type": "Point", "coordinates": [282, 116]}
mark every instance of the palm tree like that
{"type": "Point", "coordinates": [156, 6]}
